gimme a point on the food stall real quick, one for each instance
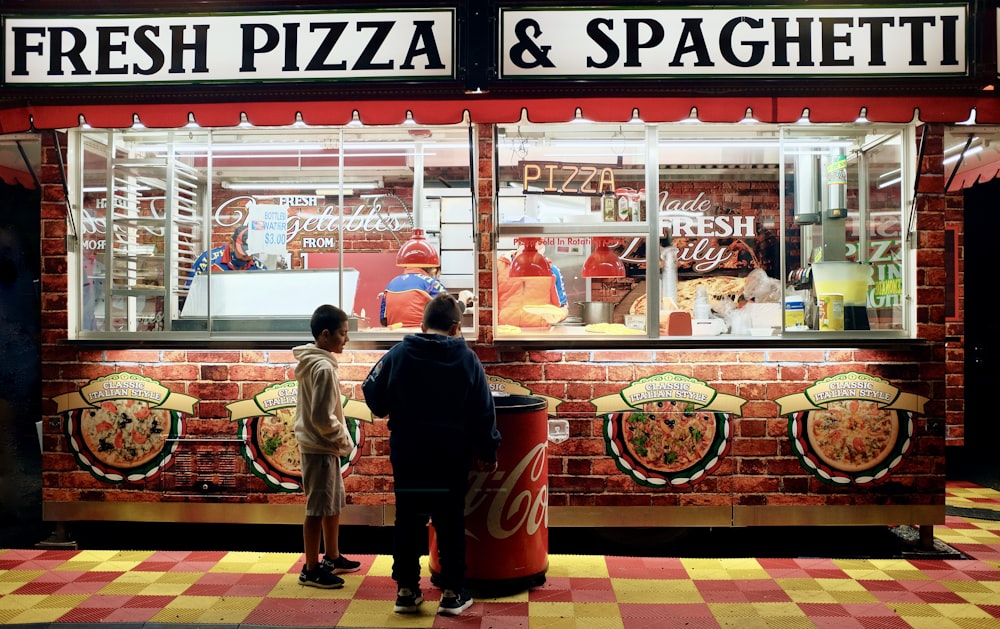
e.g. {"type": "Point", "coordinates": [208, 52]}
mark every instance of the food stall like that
{"type": "Point", "coordinates": [729, 303]}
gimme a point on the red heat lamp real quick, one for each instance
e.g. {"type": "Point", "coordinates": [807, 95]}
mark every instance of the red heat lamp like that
{"type": "Point", "coordinates": [603, 262]}
{"type": "Point", "coordinates": [529, 263]}
{"type": "Point", "coordinates": [418, 252]}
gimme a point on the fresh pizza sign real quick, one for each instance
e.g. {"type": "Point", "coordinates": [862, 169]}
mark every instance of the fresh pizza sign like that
{"type": "Point", "coordinates": [288, 46]}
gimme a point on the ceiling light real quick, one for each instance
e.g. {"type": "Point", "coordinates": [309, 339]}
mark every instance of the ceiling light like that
{"type": "Point", "coordinates": [603, 262]}
{"type": "Point", "coordinates": [418, 252]}
{"type": "Point", "coordinates": [529, 262]}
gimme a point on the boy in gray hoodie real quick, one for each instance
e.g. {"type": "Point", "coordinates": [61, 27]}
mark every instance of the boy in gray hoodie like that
{"type": "Point", "coordinates": [321, 432]}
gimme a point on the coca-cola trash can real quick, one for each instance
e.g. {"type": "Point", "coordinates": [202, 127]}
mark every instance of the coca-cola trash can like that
{"type": "Point", "coordinates": [506, 512]}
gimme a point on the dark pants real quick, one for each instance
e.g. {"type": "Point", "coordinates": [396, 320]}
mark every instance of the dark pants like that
{"type": "Point", "coordinates": [431, 490]}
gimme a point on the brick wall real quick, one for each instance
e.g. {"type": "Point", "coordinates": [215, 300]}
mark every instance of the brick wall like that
{"type": "Point", "coordinates": [760, 468]}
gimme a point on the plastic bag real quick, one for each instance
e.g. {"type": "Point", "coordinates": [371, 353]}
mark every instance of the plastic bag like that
{"type": "Point", "coordinates": [761, 288]}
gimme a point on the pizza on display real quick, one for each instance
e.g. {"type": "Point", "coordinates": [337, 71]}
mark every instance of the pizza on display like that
{"type": "Point", "coordinates": [124, 434]}
{"type": "Point", "coordinates": [668, 442]}
{"type": "Point", "coordinates": [719, 288]}
{"type": "Point", "coordinates": [852, 435]}
{"type": "Point", "coordinates": [276, 436]}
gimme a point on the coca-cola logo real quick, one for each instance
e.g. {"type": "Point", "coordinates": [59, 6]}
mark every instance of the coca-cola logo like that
{"type": "Point", "coordinates": [515, 500]}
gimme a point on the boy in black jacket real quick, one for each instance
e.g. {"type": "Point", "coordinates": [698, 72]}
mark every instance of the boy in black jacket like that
{"type": "Point", "coordinates": [442, 423]}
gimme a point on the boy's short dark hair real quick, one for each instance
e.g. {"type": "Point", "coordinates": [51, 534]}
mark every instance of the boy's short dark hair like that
{"type": "Point", "coordinates": [442, 312]}
{"type": "Point", "coordinates": [326, 317]}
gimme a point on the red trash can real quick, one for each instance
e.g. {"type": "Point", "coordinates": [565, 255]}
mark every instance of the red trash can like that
{"type": "Point", "coordinates": [506, 512]}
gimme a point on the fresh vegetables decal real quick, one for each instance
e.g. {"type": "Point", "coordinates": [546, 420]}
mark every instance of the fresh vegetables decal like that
{"type": "Point", "coordinates": [851, 428]}
{"type": "Point", "coordinates": [668, 429]}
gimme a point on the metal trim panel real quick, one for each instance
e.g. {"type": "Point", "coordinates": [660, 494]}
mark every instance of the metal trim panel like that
{"type": "Point", "coordinates": [641, 516]}
{"type": "Point", "coordinates": [837, 515]}
{"type": "Point", "coordinates": [610, 516]}
{"type": "Point", "coordinates": [203, 512]}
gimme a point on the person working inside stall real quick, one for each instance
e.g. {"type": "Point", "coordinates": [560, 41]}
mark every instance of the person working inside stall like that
{"type": "Point", "coordinates": [232, 256]}
{"type": "Point", "coordinates": [544, 296]}
{"type": "Point", "coordinates": [402, 302]}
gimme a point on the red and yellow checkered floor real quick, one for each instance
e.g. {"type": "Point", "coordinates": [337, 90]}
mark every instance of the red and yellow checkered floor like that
{"type": "Point", "coordinates": [219, 588]}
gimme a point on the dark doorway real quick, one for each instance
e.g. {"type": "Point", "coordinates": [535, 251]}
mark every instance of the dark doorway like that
{"type": "Point", "coordinates": [20, 365]}
{"type": "Point", "coordinates": [976, 461]}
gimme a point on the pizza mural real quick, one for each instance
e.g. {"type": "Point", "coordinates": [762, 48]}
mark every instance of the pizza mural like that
{"type": "Point", "coordinates": [124, 427]}
{"type": "Point", "coordinates": [668, 430]}
{"type": "Point", "coordinates": [269, 446]}
{"type": "Point", "coordinates": [851, 428]}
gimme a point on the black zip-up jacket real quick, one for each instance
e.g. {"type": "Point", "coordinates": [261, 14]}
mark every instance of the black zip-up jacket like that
{"type": "Point", "coordinates": [434, 391]}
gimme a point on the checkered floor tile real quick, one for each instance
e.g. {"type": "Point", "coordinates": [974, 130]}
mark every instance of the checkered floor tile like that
{"type": "Point", "coordinates": [202, 588]}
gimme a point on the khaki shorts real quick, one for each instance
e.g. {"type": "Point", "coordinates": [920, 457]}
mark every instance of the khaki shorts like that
{"type": "Point", "coordinates": [323, 484]}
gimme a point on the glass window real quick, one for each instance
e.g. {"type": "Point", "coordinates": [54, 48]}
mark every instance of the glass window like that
{"type": "Point", "coordinates": [222, 232]}
{"type": "Point", "coordinates": [757, 230]}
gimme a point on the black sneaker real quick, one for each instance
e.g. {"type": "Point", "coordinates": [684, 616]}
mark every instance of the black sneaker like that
{"type": "Point", "coordinates": [340, 565]}
{"type": "Point", "coordinates": [454, 604]}
{"type": "Point", "coordinates": [407, 600]}
{"type": "Point", "coordinates": [320, 578]}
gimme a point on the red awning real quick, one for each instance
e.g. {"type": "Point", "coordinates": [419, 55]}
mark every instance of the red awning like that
{"type": "Point", "coordinates": [486, 109]}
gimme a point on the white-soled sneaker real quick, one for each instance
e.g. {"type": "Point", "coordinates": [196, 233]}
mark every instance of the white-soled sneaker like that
{"type": "Point", "coordinates": [320, 578]}
{"type": "Point", "coordinates": [340, 565]}
{"type": "Point", "coordinates": [453, 604]}
{"type": "Point", "coordinates": [407, 600]}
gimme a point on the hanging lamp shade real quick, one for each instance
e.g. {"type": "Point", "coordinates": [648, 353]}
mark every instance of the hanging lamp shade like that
{"type": "Point", "coordinates": [603, 262]}
{"type": "Point", "coordinates": [418, 252]}
{"type": "Point", "coordinates": [529, 263]}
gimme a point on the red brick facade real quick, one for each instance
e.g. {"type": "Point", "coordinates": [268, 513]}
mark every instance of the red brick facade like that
{"type": "Point", "coordinates": [759, 469]}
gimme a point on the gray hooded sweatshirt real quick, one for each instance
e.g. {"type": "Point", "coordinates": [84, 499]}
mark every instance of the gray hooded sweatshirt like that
{"type": "Point", "coordinates": [320, 427]}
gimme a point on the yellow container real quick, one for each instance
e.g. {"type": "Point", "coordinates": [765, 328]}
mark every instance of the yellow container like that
{"type": "Point", "coordinates": [795, 313]}
{"type": "Point", "coordinates": [830, 310]}
{"type": "Point", "coordinates": [848, 279]}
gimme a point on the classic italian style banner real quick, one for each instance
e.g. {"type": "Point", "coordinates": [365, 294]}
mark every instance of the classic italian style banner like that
{"type": "Point", "coordinates": [852, 386]}
{"type": "Point", "coordinates": [290, 46]}
{"type": "Point", "coordinates": [123, 427]}
{"type": "Point", "coordinates": [668, 430]}
{"type": "Point", "coordinates": [669, 387]}
{"type": "Point", "coordinates": [593, 43]}
{"type": "Point", "coordinates": [125, 386]}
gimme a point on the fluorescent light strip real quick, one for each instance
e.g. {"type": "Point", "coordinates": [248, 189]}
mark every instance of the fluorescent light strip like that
{"type": "Point", "coordinates": [249, 147]}
{"type": "Point", "coordinates": [959, 147]}
{"type": "Point", "coordinates": [297, 185]}
{"type": "Point", "coordinates": [954, 158]}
